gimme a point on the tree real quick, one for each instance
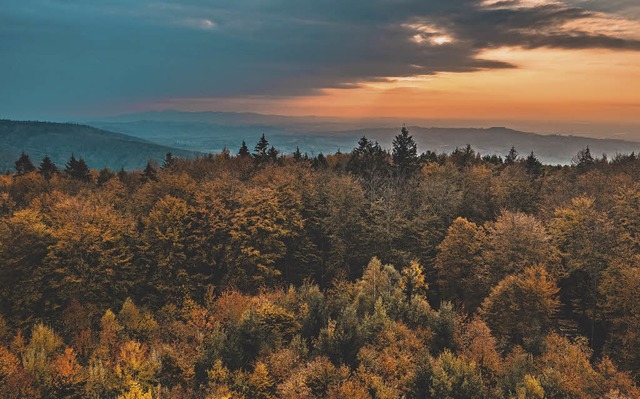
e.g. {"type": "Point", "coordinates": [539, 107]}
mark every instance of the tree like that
{"type": "Point", "coordinates": [369, 162]}
{"type": "Point", "coordinates": [244, 150]}
{"type": "Point", "coordinates": [24, 165]}
{"type": "Point", "coordinates": [77, 169]}
{"type": "Point", "coordinates": [47, 168]}
{"type": "Point", "coordinates": [297, 156]}
{"type": "Point", "coordinates": [413, 280]}
{"type": "Point", "coordinates": [272, 154]}
{"type": "Point", "coordinates": [620, 288]}
{"type": "Point", "coordinates": [586, 243]}
{"type": "Point", "coordinates": [520, 309]}
{"type": "Point", "coordinates": [464, 158]}
{"type": "Point", "coordinates": [149, 172]}
{"type": "Point", "coordinates": [516, 241]}
{"type": "Point", "coordinates": [105, 175]}
{"type": "Point", "coordinates": [91, 257]}
{"type": "Point", "coordinates": [511, 157]}
{"type": "Point", "coordinates": [459, 264]}
{"type": "Point", "coordinates": [261, 150]}
{"type": "Point", "coordinates": [583, 160]}
{"type": "Point", "coordinates": [449, 376]}
{"type": "Point", "coordinates": [405, 153]}
{"type": "Point", "coordinates": [169, 162]}
{"type": "Point", "coordinates": [533, 166]}
{"type": "Point", "coordinates": [165, 238]}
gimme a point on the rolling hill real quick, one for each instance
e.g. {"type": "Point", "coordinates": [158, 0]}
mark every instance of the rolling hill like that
{"type": "Point", "coordinates": [213, 131]}
{"type": "Point", "coordinates": [98, 147]}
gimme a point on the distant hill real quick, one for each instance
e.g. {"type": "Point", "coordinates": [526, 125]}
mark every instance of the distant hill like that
{"type": "Point", "coordinates": [98, 147]}
{"type": "Point", "coordinates": [213, 131]}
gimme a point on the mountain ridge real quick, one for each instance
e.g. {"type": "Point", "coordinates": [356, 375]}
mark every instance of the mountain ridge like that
{"type": "Point", "coordinates": [98, 147]}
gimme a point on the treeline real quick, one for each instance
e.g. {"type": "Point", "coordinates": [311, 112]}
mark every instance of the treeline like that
{"type": "Point", "coordinates": [373, 274]}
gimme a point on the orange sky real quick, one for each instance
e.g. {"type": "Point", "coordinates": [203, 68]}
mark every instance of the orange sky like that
{"type": "Point", "coordinates": [549, 84]}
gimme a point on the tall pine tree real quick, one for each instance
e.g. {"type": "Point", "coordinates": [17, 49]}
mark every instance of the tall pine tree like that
{"type": "Point", "coordinates": [47, 168]}
{"type": "Point", "coordinates": [261, 150]}
{"type": "Point", "coordinates": [405, 153]}
{"type": "Point", "coordinates": [77, 169]}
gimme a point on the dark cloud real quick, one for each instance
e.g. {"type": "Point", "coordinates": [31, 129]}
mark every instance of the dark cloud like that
{"type": "Point", "coordinates": [69, 56]}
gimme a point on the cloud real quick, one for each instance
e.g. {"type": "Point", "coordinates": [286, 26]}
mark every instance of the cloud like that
{"type": "Point", "coordinates": [74, 55]}
{"type": "Point", "coordinates": [199, 23]}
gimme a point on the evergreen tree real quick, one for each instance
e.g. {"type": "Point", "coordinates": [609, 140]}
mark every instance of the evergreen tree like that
{"type": "Point", "coordinates": [244, 150]}
{"type": "Point", "coordinates": [169, 162]}
{"type": "Point", "coordinates": [47, 168]}
{"type": "Point", "coordinates": [405, 153]}
{"type": "Point", "coordinates": [273, 154]}
{"type": "Point", "coordinates": [260, 152]}
{"type": "Point", "coordinates": [77, 169]}
{"type": "Point", "coordinates": [464, 157]}
{"type": "Point", "coordinates": [150, 173]}
{"type": "Point", "coordinates": [512, 157]}
{"type": "Point", "coordinates": [534, 167]}
{"type": "Point", "coordinates": [369, 162]}
{"type": "Point", "coordinates": [584, 160]}
{"type": "Point", "coordinates": [320, 161]}
{"type": "Point", "coordinates": [24, 165]}
{"type": "Point", "coordinates": [105, 175]}
{"type": "Point", "coordinates": [297, 156]}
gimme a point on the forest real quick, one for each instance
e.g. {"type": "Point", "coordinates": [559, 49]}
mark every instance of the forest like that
{"type": "Point", "coordinates": [373, 274]}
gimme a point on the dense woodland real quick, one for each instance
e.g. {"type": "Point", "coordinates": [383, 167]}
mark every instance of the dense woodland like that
{"type": "Point", "coordinates": [373, 274]}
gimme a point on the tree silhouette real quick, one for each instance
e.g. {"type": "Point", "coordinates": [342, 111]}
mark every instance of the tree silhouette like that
{"type": "Point", "coordinates": [77, 169]}
{"type": "Point", "coordinates": [150, 173]}
{"type": "Point", "coordinates": [47, 168]}
{"type": "Point", "coordinates": [24, 164]}
{"type": "Point", "coordinates": [169, 162]}
{"type": "Point", "coordinates": [511, 157]}
{"type": "Point", "coordinates": [261, 150]}
{"type": "Point", "coordinates": [244, 150]}
{"type": "Point", "coordinates": [405, 153]}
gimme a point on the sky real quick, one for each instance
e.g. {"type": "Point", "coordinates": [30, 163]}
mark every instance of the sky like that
{"type": "Point", "coordinates": [572, 62]}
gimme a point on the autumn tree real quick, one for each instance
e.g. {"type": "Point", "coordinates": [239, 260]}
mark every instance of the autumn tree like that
{"type": "Point", "coordinates": [584, 237]}
{"type": "Point", "coordinates": [459, 264]}
{"type": "Point", "coordinates": [516, 241]}
{"type": "Point", "coordinates": [520, 308]}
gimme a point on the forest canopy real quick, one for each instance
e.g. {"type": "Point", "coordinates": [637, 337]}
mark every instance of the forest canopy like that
{"type": "Point", "coordinates": [371, 274]}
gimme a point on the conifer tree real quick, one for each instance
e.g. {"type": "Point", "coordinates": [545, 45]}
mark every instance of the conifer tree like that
{"type": "Point", "coordinates": [24, 165]}
{"type": "Point", "coordinates": [584, 160]}
{"type": "Point", "coordinates": [244, 150]}
{"type": "Point", "coordinates": [47, 168]}
{"type": "Point", "coordinates": [534, 167]}
{"type": "Point", "coordinates": [77, 169]}
{"type": "Point", "coordinates": [297, 156]}
{"type": "Point", "coordinates": [105, 175]}
{"type": "Point", "coordinates": [511, 157]}
{"type": "Point", "coordinates": [169, 162]}
{"type": "Point", "coordinates": [405, 153]}
{"type": "Point", "coordinates": [150, 173]}
{"type": "Point", "coordinates": [272, 154]}
{"type": "Point", "coordinates": [260, 152]}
